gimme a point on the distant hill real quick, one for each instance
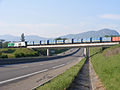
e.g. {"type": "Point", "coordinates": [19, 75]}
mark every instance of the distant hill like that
{"type": "Point", "coordinates": [27, 38]}
{"type": "Point", "coordinates": [100, 33]}
{"type": "Point", "coordinates": [94, 34]}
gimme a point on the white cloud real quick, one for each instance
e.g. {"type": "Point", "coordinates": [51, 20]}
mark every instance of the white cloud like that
{"type": "Point", "coordinates": [110, 16]}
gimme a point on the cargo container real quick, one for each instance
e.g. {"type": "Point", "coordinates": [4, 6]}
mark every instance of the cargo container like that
{"type": "Point", "coordinates": [95, 39]}
{"type": "Point", "coordinates": [115, 38]}
{"type": "Point", "coordinates": [106, 39]}
{"type": "Point", "coordinates": [60, 41]}
{"type": "Point", "coordinates": [68, 41]}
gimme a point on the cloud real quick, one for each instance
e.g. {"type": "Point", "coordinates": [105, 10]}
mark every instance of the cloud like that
{"type": "Point", "coordinates": [110, 16]}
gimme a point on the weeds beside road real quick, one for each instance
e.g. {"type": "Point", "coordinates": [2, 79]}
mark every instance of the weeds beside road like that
{"type": "Point", "coordinates": [63, 81]}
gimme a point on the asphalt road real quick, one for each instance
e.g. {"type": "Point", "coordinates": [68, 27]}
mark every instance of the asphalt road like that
{"type": "Point", "coordinates": [9, 73]}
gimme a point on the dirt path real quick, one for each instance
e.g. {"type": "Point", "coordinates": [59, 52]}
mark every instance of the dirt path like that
{"type": "Point", "coordinates": [96, 84]}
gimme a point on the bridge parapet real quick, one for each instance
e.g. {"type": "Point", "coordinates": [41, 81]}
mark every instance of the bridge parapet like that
{"type": "Point", "coordinates": [77, 45]}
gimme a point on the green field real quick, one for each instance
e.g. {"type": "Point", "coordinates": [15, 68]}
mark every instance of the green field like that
{"type": "Point", "coordinates": [63, 81]}
{"type": "Point", "coordinates": [107, 65]}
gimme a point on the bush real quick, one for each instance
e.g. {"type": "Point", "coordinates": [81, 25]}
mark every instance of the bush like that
{"type": "Point", "coordinates": [19, 55]}
{"type": "Point", "coordinates": [26, 55]}
{"type": "Point", "coordinates": [3, 56]}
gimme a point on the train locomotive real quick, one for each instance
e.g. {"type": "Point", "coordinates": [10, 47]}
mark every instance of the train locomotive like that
{"type": "Point", "coordinates": [17, 44]}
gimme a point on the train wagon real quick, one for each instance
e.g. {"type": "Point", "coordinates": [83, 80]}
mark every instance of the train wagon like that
{"type": "Point", "coordinates": [68, 41]}
{"type": "Point", "coordinates": [85, 40]}
{"type": "Point", "coordinates": [95, 39]}
{"type": "Point", "coordinates": [115, 39]}
{"type": "Point", "coordinates": [106, 39]}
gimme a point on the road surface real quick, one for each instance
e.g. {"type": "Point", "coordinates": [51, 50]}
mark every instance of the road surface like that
{"type": "Point", "coordinates": [16, 72]}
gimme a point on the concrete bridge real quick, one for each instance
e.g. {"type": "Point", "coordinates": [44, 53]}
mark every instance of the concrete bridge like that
{"type": "Point", "coordinates": [75, 45]}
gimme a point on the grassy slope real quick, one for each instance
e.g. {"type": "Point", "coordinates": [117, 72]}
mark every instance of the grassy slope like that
{"type": "Point", "coordinates": [12, 51]}
{"type": "Point", "coordinates": [63, 81]}
{"type": "Point", "coordinates": [107, 66]}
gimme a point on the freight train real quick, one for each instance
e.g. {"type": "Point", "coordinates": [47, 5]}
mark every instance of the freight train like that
{"type": "Point", "coordinates": [68, 41]}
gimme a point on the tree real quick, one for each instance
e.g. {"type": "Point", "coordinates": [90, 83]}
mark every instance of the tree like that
{"type": "Point", "coordinates": [58, 38]}
{"type": "Point", "coordinates": [1, 41]}
{"type": "Point", "coordinates": [22, 37]}
{"type": "Point", "coordinates": [5, 44]}
{"type": "Point", "coordinates": [61, 38]}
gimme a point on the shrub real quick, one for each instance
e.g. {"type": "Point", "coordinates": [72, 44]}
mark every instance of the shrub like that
{"type": "Point", "coordinates": [19, 55]}
{"type": "Point", "coordinates": [3, 56]}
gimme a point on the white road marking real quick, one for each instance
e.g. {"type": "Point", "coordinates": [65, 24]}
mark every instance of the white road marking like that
{"type": "Point", "coordinates": [5, 81]}
{"type": "Point", "coordinates": [24, 66]}
{"type": "Point", "coordinates": [58, 66]}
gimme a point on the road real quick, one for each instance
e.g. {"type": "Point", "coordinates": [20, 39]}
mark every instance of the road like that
{"type": "Point", "coordinates": [10, 73]}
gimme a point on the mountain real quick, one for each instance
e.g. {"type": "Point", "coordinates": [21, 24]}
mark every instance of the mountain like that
{"type": "Point", "coordinates": [35, 38]}
{"type": "Point", "coordinates": [94, 34]}
{"type": "Point", "coordinates": [27, 38]}
{"type": "Point", "coordinates": [9, 38]}
{"type": "Point", "coordinates": [100, 33]}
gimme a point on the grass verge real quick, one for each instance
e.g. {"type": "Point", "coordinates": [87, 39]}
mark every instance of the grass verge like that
{"type": "Point", "coordinates": [107, 65]}
{"type": "Point", "coordinates": [63, 81]}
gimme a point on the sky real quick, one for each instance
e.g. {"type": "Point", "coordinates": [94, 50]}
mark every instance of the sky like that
{"type": "Point", "coordinates": [54, 18]}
